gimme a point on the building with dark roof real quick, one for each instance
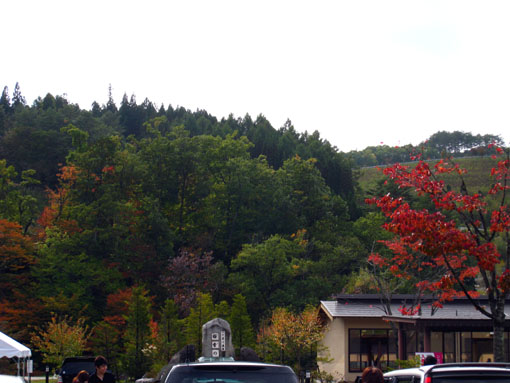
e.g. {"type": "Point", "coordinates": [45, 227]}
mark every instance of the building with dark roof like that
{"type": "Point", "coordinates": [363, 330]}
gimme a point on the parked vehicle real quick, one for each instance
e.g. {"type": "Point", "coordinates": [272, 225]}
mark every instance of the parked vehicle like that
{"type": "Point", "coordinates": [72, 366]}
{"type": "Point", "coordinates": [452, 373]}
{"type": "Point", "coordinates": [231, 372]}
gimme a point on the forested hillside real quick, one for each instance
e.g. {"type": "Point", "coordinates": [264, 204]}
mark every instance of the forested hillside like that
{"type": "Point", "coordinates": [106, 211]}
{"type": "Point", "coordinates": [96, 203]}
{"type": "Point", "coordinates": [458, 144]}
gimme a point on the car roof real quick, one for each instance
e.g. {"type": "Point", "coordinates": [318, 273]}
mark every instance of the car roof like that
{"type": "Point", "coordinates": [11, 379]}
{"type": "Point", "coordinates": [409, 371]}
{"type": "Point", "coordinates": [450, 367]}
{"type": "Point", "coordinates": [80, 359]}
{"type": "Point", "coordinates": [471, 366]}
{"type": "Point", "coordinates": [232, 363]}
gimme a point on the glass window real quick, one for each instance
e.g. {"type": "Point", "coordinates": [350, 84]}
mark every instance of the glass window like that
{"type": "Point", "coordinates": [408, 379]}
{"type": "Point", "coordinates": [354, 350]}
{"type": "Point", "coordinates": [449, 347]}
{"type": "Point", "coordinates": [436, 341]}
{"type": "Point", "coordinates": [369, 347]}
{"type": "Point", "coordinates": [481, 342]}
{"type": "Point", "coordinates": [465, 347]}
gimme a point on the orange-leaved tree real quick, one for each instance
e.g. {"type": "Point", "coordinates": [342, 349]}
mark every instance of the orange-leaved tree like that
{"type": "Point", "coordinates": [294, 334]}
{"type": "Point", "coordinates": [16, 256]}
{"type": "Point", "coordinates": [60, 339]}
{"type": "Point", "coordinates": [18, 307]}
{"type": "Point", "coordinates": [54, 213]}
{"type": "Point", "coordinates": [464, 234]}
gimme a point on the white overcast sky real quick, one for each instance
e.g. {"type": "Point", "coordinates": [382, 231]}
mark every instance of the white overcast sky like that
{"type": "Point", "coordinates": [359, 72]}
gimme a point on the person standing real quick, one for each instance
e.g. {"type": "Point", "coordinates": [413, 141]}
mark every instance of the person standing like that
{"type": "Point", "coordinates": [101, 375]}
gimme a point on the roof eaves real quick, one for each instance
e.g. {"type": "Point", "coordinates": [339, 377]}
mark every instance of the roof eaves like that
{"type": "Point", "coordinates": [324, 308]}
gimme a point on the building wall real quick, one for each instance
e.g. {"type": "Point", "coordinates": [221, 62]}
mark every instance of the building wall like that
{"type": "Point", "coordinates": [334, 348]}
{"type": "Point", "coordinates": [336, 344]}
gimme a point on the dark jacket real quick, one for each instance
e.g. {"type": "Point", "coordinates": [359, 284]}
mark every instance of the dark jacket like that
{"type": "Point", "coordinates": [108, 378]}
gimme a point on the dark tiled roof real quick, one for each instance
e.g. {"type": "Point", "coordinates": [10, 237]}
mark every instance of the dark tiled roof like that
{"type": "Point", "coordinates": [370, 306]}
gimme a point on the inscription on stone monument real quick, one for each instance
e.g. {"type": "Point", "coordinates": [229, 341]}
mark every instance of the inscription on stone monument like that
{"type": "Point", "coordinates": [217, 339]}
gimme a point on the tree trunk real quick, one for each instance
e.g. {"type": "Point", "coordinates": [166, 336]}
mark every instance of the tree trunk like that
{"type": "Point", "coordinates": [498, 340]}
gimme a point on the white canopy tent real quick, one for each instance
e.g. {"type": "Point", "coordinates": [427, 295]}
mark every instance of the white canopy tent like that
{"type": "Point", "coordinates": [10, 348]}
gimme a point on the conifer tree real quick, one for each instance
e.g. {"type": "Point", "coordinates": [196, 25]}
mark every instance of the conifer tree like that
{"type": "Point", "coordinates": [169, 330]}
{"type": "Point", "coordinates": [223, 310]}
{"type": "Point", "coordinates": [202, 313]}
{"type": "Point", "coordinates": [138, 333]}
{"type": "Point", "coordinates": [110, 105]}
{"type": "Point", "coordinates": [17, 99]}
{"type": "Point", "coordinates": [240, 324]}
{"type": "Point", "coordinates": [5, 101]}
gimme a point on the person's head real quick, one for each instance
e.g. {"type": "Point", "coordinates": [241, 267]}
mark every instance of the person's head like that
{"type": "Point", "coordinates": [101, 364]}
{"type": "Point", "coordinates": [82, 377]}
{"type": "Point", "coordinates": [429, 360]}
{"type": "Point", "coordinates": [372, 375]}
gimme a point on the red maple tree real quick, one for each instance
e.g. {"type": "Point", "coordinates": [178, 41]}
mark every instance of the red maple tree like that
{"type": "Point", "coordinates": [463, 234]}
{"type": "Point", "coordinates": [53, 213]}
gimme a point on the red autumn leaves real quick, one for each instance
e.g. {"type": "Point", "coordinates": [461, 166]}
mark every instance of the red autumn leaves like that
{"type": "Point", "coordinates": [456, 235]}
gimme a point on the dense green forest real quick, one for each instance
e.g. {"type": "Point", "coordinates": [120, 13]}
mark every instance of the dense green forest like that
{"type": "Point", "coordinates": [103, 208]}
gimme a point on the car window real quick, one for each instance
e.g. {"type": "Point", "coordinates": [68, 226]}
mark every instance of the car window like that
{"type": "Point", "coordinates": [407, 379]}
{"type": "Point", "coordinates": [74, 367]}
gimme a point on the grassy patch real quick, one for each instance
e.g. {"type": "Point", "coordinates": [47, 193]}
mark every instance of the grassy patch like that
{"type": "Point", "coordinates": [477, 178]}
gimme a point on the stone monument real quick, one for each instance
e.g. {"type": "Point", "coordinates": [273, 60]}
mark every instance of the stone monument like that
{"type": "Point", "coordinates": [217, 340]}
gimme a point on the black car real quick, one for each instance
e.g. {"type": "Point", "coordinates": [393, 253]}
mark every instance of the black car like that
{"type": "Point", "coordinates": [72, 366]}
{"type": "Point", "coordinates": [230, 372]}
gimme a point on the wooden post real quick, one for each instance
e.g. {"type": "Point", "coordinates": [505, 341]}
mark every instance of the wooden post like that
{"type": "Point", "coordinates": [426, 340]}
{"type": "Point", "coordinates": [401, 353]}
